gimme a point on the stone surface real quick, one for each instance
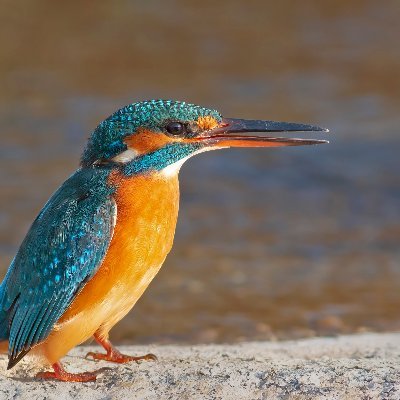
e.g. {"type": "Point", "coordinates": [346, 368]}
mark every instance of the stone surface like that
{"type": "Point", "coordinates": [365, 366]}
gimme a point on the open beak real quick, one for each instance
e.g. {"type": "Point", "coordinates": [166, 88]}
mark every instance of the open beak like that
{"type": "Point", "coordinates": [233, 132]}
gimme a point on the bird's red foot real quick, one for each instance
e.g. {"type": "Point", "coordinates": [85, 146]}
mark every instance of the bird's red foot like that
{"type": "Point", "coordinates": [117, 357]}
{"type": "Point", "coordinates": [113, 355]}
{"type": "Point", "coordinates": [60, 374]}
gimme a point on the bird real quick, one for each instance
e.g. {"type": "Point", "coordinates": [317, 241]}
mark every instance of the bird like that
{"type": "Point", "coordinates": [104, 234]}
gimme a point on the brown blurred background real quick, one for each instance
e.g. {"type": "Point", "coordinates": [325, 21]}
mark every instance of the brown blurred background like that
{"type": "Point", "coordinates": [282, 243]}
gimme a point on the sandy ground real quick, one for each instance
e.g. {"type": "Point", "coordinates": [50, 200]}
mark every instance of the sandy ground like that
{"type": "Point", "coordinates": [363, 366]}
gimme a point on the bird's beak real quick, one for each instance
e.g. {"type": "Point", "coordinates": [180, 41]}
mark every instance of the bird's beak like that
{"type": "Point", "coordinates": [232, 132]}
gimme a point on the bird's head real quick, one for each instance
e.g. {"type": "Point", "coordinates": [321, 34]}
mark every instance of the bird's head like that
{"type": "Point", "coordinates": [155, 134]}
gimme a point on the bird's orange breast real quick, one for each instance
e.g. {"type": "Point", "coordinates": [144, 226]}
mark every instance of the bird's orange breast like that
{"type": "Point", "coordinates": [147, 210]}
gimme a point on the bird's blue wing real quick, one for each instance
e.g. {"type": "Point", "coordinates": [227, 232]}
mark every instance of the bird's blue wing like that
{"type": "Point", "coordinates": [61, 252]}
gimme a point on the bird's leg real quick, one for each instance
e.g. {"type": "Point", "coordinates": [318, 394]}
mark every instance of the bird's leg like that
{"type": "Point", "coordinates": [61, 374]}
{"type": "Point", "coordinates": [114, 355]}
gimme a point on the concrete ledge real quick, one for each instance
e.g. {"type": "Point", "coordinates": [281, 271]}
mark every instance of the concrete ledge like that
{"type": "Point", "coordinates": [363, 366]}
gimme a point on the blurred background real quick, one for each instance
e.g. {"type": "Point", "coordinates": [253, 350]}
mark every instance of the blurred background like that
{"type": "Point", "coordinates": [279, 243]}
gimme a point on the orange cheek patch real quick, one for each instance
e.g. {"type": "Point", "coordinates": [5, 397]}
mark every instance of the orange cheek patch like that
{"type": "Point", "coordinates": [145, 141]}
{"type": "Point", "coordinates": [206, 123]}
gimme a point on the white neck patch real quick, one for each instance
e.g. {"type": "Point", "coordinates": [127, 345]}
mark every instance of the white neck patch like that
{"type": "Point", "coordinates": [126, 156]}
{"type": "Point", "coordinates": [173, 169]}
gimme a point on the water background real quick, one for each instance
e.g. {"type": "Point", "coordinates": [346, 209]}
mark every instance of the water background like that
{"type": "Point", "coordinates": [279, 243]}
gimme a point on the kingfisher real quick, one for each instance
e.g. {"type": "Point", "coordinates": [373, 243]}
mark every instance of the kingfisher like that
{"type": "Point", "coordinates": [104, 234]}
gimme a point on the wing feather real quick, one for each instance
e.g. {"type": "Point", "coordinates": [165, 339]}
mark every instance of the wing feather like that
{"type": "Point", "coordinates": [62, 250]}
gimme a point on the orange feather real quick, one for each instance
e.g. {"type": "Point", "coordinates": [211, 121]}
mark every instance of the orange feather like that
{"type": "Point", "coordinates": [147, 210]}
{"type": "Point", "coordinates": [145, 141]}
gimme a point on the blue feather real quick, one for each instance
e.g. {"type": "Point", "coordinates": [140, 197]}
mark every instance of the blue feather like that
{"type": "Point", "coordinates": [62, 250]}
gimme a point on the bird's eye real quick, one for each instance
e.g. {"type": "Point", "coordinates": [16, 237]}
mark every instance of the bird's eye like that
{"type": "Point", "coordinates": [175, 128]}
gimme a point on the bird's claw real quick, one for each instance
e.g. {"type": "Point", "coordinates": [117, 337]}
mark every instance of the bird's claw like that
{"type": "Point", "coordinates": [119, 358]}
{"type": "Point", "coordinates": [90, 354]}
{"type": "Point", "coordinates": [151, 357]}
{"type": "Point", "coordinates": [69, 377]}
